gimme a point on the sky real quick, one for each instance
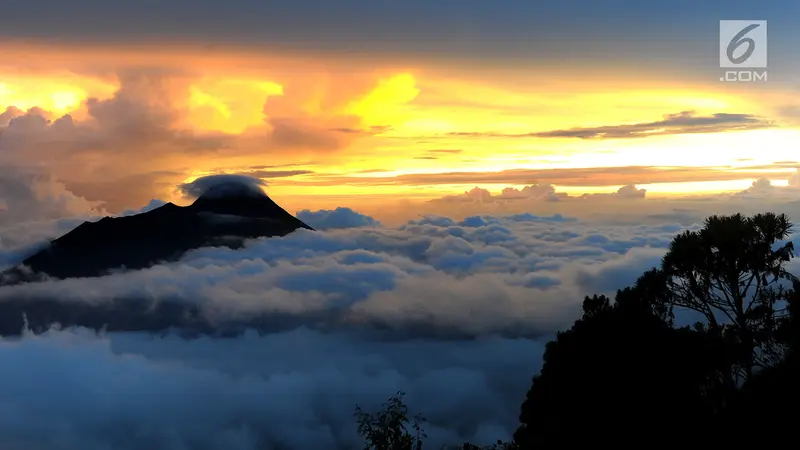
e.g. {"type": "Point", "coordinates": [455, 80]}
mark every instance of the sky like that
{"type": "Point", "coordinates": [376, 102]}
{"type": "Point", "coordinates": [473, 169]}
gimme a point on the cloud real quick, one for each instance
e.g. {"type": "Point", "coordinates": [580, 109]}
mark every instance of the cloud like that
{"type": "Point", "coordinates": [277, 173]}
{"type": "Point", "coordinates": [628, 191]}
{"type": "Point", "coordinates": [24, 238]}
{"type": "Point", "coordinates": [10, 114]}
{"type": "Point", "coordinates": [223, 185]}
{"type": "Point", "coordinates": [32, 195]}
{"type": "Point", "coordinates": [440, 308]}
{"type": "Point", "coordinates": [143, 133]}
{"type": "Point", "coordinates": [338, 218]}
{"type": "Point", "coordinates": [151, 205]}
{"type": "Point", "coordinates": [358, 277]}
{"type": "Point", "coordinates": [70, 390]}
{"type": "Point", "coordinates": [534, 193]}
{"type": "Point", "coordinates": [599, 176]}
{"type": "Point", "coordinates": [446, 151]}
{"type": "Point", "coordinates": [546, 192]}
{"type": "Point", "coordinates": [763, 188]}
{"type": "Point", "coordinates": [680, 123]}
{"type": "Point", "coordinates": [794, 180]}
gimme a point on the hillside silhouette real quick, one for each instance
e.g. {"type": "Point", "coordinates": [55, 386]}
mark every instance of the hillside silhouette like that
{"type": "Point", "coordinates": [225, 215]}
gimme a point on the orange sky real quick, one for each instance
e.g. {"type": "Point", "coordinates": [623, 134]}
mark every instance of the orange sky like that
{"type": "Point", "coordinates": [145, 119]}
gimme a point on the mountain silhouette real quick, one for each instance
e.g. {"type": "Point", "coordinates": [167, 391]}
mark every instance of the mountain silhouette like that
{"type": "Point", "coordinates": [225, 215]}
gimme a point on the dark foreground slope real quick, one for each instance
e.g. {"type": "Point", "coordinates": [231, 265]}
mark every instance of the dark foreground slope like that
{"type": "Point", "coordinates": [163, 234]}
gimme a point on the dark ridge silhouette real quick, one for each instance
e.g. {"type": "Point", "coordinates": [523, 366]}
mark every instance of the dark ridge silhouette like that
{"type": "Point", "coordinates": [224, 215]}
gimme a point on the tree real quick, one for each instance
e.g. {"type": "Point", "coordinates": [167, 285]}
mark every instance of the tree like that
{"type": "Point", "coordinates": [619, 375]}
{"type": "Point", "coordinates": [768, 401]}
{"type": "Point", "coordinates": [730, 272]}
{"type": "Point", "coordinates": [388, 428]}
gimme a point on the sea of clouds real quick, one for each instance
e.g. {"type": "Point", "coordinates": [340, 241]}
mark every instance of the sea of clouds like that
{"type": "Point", "coordinates": [453, 312]}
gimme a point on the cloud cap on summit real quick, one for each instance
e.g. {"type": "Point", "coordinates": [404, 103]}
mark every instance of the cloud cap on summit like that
{"type": "Point", "coordinates": [224, 185]}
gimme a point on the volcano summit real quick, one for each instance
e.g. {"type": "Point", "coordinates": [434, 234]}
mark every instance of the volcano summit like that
{"type": "Point", "coordinates": [228, 210]}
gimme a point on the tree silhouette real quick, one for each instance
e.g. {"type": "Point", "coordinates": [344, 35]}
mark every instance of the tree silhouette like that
{"type": "Point", "coordinates": [621, 375]}
{"type": "Point", "coordinates": [730, 272]}
{"type": "Point", "coordinates": [769, 400]}
{"type": "Point", "coordinates": [388, 429]}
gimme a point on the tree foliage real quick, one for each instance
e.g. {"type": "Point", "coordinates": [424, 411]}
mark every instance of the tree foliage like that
{"type": "Point", "coordinates": [390, 428]}
{"type": "Point", "coordinates": [618, 366]}
{"type": "Point", "coordinates": [730, 273]}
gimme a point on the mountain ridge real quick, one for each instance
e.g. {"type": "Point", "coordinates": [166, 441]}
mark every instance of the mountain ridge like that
{"type": "Point", "coordinates": [219, 217]}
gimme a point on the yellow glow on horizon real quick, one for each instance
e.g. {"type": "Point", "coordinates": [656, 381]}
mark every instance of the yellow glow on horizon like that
{"type": "Point", "coordinates": [56, 97]}
{"type": "Point", "coordinates": [58, 93]}
{"type": "Point", "coordinates": [699, 187]}
{"type": "Point", "coordinates": [439, 124]}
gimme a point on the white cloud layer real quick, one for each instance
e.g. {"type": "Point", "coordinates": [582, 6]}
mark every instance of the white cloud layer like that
{"type": "Point", "coordinates": [73, 390]}
{"type": "Point", "coordinates": [454, 312]}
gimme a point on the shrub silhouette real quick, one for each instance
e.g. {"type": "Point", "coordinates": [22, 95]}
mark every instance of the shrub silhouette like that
{"type": "Point", "coordinates": [391, 429]}
{"type": "Point", "coordinates": [388, 429]}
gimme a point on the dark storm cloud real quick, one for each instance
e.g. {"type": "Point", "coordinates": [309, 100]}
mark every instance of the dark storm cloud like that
{"type": "Point", "coordinates": [681, 123]}
{"type": "Point", "coordinates": [609, 31]}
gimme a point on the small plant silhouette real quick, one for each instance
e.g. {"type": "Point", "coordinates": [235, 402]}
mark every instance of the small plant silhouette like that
{"type": "Point", "coordinates": [388, 429]}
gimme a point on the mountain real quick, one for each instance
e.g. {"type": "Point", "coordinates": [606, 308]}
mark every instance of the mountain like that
{"type": "Point", "coordinates": [218, 217]}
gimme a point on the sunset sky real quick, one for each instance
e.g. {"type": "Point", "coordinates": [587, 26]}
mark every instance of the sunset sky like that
{"type": "Point", "coordinates": [377, 102]}
{"type": "Point", "coordinates": [471, 170]}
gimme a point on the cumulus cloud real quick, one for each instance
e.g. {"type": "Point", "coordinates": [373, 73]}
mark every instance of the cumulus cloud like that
{"type": "Point", "coordinates": [32, 195]}
{"type": "Point", "coordinates": [153, 123]}
{"type": "Point", "coordinates": [9, 114]}
{"type": "Point", "coordinates": [794, 180]}
{"type": "Point", "coordinates": [628, 191]}
{"type": "Point", "coordinates": [763, 188]}
{"type": "Point", "coordinates": [338, 218]}
{"type": "Point", "coordinates": [534, 193]}
{"type": "Point", "coordinates": [545, 192]}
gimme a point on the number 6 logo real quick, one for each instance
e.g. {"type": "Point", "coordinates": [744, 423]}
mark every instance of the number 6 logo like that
{"type": "Point", "coordinates": [737, 42]}
{"type": "Point", "coordinates": [743, 43]}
